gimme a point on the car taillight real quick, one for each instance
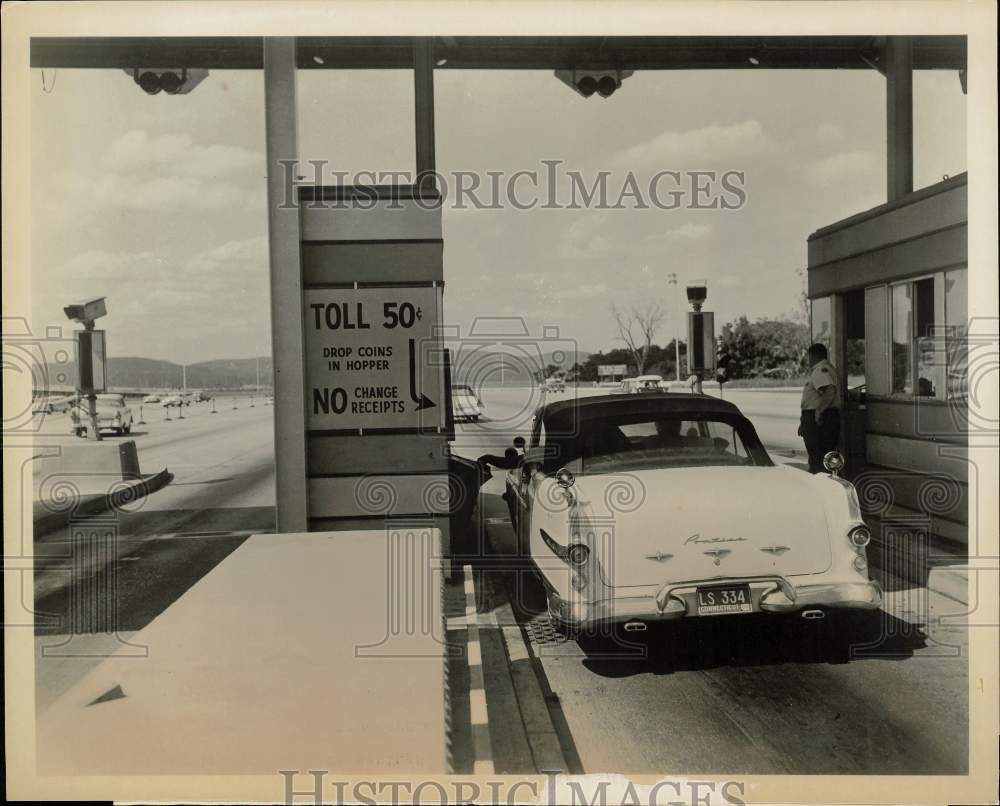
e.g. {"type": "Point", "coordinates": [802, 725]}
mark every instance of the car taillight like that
{"type": "Point", "coordinates": [578, 554]}
{"type": "Point", "coordinates": [860, 536]}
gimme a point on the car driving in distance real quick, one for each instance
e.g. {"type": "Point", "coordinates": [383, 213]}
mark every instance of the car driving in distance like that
{"type": "Point", "coordinates": [645, 508]}
{"type": "Point", "coordinates": [643, 383]}
{"type": "Point", "coordinates": [555, 385]}
{"type": "Point", "coordinates": [465, 404]}
{"type": "Point", "coordinates": [113, 414]}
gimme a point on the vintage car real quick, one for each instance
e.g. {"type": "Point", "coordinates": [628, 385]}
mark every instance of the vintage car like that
{"type": "Point", "coordinates": [466, 404]}
{"type": "Point", "coordinates": [151, 399]}
{"type": "Point", "coordinates": [655, 507]}
{"type": "Point", "coordinates": [113, 413]}
{"type": "Point", "coordinates": [178, 400]}
{"type": "Point", "coordinates": [644, 383]}
{"type": "Point", "coordinates": [555, 385]}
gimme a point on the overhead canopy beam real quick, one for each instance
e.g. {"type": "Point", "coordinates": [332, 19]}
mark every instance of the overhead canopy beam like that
{"type": "Point", "coordinates": [502, 53]}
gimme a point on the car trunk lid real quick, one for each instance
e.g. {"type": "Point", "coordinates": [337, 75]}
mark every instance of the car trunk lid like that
{"type": "Point", "coordinates": [705, 522]}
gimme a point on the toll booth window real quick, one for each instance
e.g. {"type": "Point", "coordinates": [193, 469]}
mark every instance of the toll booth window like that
{"type": "Point", "coordinates": [902, 314]}
{"type": "Point", "coordinates": [916, 364]}
{"type": "Point", "coordinates": [821, 316]}
{"type": "Point", "coordinates": [956, 316]}
{"type": "Point", "coordinates": [854, 336]}
{"type": "Point", "coordinates": [927, 342]}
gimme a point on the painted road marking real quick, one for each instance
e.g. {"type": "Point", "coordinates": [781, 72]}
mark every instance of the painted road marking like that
{"type": "Point", "coordinates": [482, 747]}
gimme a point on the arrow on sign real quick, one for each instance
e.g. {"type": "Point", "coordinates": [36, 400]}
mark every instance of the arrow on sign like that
{"type": "Point", "coordinates": [422, 401]}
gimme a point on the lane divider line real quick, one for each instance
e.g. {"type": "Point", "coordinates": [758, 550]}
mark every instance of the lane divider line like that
{"type": "Point", "coordinates": [482, 746]}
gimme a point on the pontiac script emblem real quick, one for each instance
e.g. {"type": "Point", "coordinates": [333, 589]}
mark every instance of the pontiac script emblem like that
{"type": "Point", "coordinates": [718, 554]}
{"type": "Point", "coordinates": [659, 556]}
{"type": "Point", "coordinates": [697, 538]}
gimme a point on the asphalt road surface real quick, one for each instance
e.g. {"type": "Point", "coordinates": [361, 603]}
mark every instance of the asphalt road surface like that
{"type": "Point", "coordinates": [90, 596]}
{"type": "Point", "coordinates": [731, 695]}
{"type": "Point", "coordinates": [718, 696]}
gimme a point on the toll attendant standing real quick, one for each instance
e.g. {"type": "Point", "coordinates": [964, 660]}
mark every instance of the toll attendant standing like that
{"type": "Point", "coordinates": [819, 426]}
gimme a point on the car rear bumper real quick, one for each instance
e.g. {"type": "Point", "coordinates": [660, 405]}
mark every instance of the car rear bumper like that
{"type": "Point", "coordinates": [772, 595]}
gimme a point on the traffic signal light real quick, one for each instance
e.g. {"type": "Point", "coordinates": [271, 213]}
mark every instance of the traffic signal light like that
{"type": "Point", "coordinates": [172, 81]}
{"type": "Point", "coordinates": [588, 82]}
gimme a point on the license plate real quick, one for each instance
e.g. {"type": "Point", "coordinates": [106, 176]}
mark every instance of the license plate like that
{"type": "Point", "coordinates": [724, 599]}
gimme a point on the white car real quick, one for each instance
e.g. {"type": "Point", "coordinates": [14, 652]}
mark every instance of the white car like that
{"type": "Point", "coordinates": [113, 413]}
{"type": "Point", "coordinates": [466, 404]}
{"type": "Point", "coordinates": [656, 507]}
{"type": "Point", "coordinates": [644, 383]}
{"type": "Point", "coordinates": [151, 399]}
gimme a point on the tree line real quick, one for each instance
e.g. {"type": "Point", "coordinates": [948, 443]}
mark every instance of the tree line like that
{"type": "Point", "coordinates": [770, 348]}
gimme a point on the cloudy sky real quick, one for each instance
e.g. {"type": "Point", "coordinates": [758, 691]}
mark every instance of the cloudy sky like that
{"type": "Point", "coordinates": [159, 202]}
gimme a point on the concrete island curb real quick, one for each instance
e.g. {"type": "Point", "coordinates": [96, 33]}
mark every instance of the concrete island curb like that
{"type": "Point", "coordinates": [125, 492]}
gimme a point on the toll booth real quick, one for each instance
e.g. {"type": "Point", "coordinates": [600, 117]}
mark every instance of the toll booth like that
{"type": "Point", "coordinates": [888, 291]}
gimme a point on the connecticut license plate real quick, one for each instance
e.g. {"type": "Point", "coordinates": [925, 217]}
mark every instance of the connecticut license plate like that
{"type": "Point", "coordinates": [724, 599]}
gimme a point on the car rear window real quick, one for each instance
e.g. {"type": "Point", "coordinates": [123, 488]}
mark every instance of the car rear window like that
{"type": "Point", "coordinates": [643, 441]}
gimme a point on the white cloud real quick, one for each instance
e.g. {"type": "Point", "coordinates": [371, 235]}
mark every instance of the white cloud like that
{"type": "Point", "coordinates": [842, 167]}
{"type": "Point", "coordinates": [166, 174]}
{"type": "Point", "coordinates": [828, 133]}
{"type": "Point", "coordinates": [136, 151]}
{"type": "Point", "coordinates": [157, 307]}
{"type": "Point", "coordinates": [686, 231]}
{"type": "Point", "coordinates": [696, 148]}
{"type": "Point", "coordinates": [97, 264]}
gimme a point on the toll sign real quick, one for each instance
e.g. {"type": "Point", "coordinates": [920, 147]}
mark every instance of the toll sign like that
{"type": "Point", "coordinates": [372, 358]}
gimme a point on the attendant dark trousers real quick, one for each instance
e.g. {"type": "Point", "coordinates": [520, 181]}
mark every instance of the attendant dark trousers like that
{"type": "Point", "coordinates": [819, 438]}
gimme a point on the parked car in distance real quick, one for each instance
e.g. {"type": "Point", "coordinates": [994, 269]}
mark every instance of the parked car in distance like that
{"type": "Point", "coordinates": [171, 401]}
{"type": "Point", "coordinates": [555, 385]}
{"type": "Point", "coordinates": [200, 397]}
{"type": "Point", "coordinates": [691, 492]}
{"type": "Point", "coordinates": [465, 404]}
{"type": "Point", "coordinates": [113, 413]}
{"type": "Point", "coordinates": [46, 404]}
{"type": "Point", "coordinates": [151, 399]}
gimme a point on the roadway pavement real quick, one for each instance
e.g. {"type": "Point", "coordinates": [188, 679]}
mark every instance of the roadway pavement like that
{"type": "Point", "coordinates": [731, 696]}
{"type": "Point", "coordinates": [724, 697]}
{"type": "Point", "coordinates": [100, 594]}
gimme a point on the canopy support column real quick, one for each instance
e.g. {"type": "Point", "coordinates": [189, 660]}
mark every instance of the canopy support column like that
{"type": "Point", "coordinates": [286, 286]}
{"type": "Point", "coordinates": [899, 116]}
{"type": "Point", "coordinates": [423, 98]}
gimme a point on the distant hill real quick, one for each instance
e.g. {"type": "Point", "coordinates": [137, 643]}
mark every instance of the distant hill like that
{"type": "Point", "coordinates": [130, 372]}
{"type": "Point", "coordinates": [490, 366]}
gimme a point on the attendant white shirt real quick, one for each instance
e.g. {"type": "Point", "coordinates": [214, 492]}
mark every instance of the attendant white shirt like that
{"type": "Point", "coordinates": [822, 375]}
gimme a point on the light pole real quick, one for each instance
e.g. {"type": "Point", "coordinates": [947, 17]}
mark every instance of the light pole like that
{"type": "Point", "coordinates": [91, 357]}
{"type": "Point", "coordinates": [701, 334]}
{"type": "Point", "coordinates": [672, 280]}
